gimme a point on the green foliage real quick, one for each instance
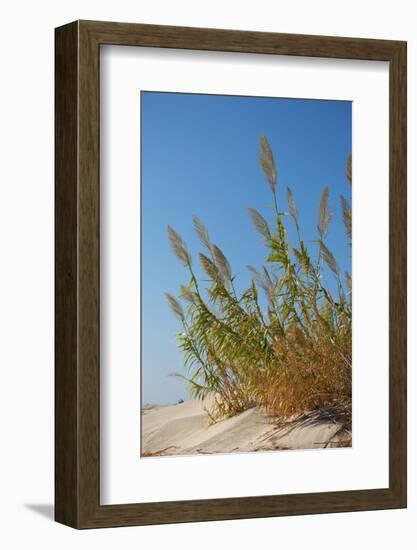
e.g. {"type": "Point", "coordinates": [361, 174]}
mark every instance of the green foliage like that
{"type": "Point", "coordinates": [290, 355]}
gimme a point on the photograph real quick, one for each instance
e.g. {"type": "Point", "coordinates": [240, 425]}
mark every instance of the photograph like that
{"type": "Point", "coordinates": [246, 275]}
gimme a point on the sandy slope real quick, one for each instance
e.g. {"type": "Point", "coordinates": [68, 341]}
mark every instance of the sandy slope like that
{"type": "Point", "coordinates": [186, 429]}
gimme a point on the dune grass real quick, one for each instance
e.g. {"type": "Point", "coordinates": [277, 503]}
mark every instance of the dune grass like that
{"type": "Point", "coordinates": [291, 355]}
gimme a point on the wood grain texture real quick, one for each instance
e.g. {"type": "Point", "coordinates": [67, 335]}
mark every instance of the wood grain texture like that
{"type": "Point", "coordinates": [66, 237]}
{"type": "Point", "coordinates": [398, 272]}
{"type": "Point", "coordinates": [78, 285]}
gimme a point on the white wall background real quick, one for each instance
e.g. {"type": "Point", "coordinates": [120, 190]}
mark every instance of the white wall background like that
{"type": "Point", "coordinates": [26, 274]}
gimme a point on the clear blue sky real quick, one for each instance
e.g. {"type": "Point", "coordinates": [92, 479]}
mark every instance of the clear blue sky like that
{"type": "Point", "coordinates": [200, 156]}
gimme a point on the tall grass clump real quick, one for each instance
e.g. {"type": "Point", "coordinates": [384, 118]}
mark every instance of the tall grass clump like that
{"type": "Point", "coordinates": [289, 351]}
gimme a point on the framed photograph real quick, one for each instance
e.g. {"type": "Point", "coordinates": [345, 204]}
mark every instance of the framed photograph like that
{"type": "Point", "coordinates": [230, 274]}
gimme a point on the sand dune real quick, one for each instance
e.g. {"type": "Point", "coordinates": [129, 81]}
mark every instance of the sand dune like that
{"type": "Point", "coordinates": [186, 428]}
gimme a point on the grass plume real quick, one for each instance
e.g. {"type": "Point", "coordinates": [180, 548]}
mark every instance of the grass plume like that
{"type": "Point", "coordinates": [267, 162]}
{"type": "Point", "coordinates": [179, 247]}
{"type": "Point", "coordinates": [260, 223]}
{"type": "Point", "coordinates": [325, 215]}
{"type": "Point", "coordinates": [202, 233]}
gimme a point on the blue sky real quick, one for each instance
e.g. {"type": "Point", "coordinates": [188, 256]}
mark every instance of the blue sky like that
{"type": "Point", "coordinates": [199, 155]}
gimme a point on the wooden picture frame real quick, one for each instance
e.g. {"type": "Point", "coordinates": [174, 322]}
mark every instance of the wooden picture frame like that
{"type": "Point", "coordinates": [77, 359]}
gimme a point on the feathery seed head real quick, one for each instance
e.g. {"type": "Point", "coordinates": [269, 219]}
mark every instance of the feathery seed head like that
{"type": "Point", "coordinates": [260, 223]}
{"type": "Point", "coordinates": [325, 214]}
{"type": "Point", "coordinates": [329, 258]}
{"type": "Point", "coordinates": [222, 264]}
{"type": "Point", "coordinates": [347, 216]}
{"type": "Point", "coordinates": [202, 233]}
{"type": "Point", "coordinates": [175, 306]}
{"type": "Point", "coordinates": [349, 168]}
{"type": "Point", "coordinates": [267, 162]}
{"type": "Point", "coordinates": [188, 295]}
{"type": "Point", "coordinates": [292, 208]}
{"type": "Point", "coordinates": [209, 267]}
{"type": "Point", "coordinates": [179, 247]}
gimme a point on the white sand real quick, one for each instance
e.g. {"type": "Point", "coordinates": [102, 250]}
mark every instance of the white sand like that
{"type": "Point", "coordinates": [186, 428]}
